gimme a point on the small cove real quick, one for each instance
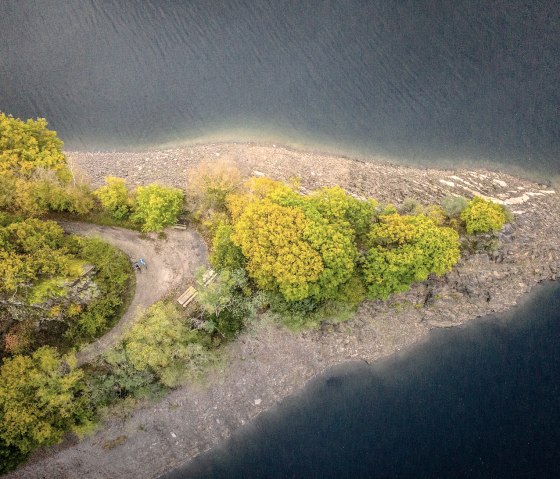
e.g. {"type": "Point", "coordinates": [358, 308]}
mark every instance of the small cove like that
{"type": "Point", "coordinates": [477, 401]}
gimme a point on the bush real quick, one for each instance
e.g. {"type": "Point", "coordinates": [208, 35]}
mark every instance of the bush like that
{"type": "Point", "coordinates": [406, 249]}
{"type": "Point", "coordinates": [157, 206]}
{"type": "Point", "coordinates": [481, 216]}
{"type": "Point", "coordinates": [115, 198]}
{"type": "Point", "coordinates": [210, 183]}
{"type": "Point", "coordinates": [308, 313]}
{"type": "Point", "coordinates": [227, 302]}
{"type": "Point", "coordinates": [163, 343]}
{"type": "Point", "coordinates": [453, 206]}
{"type": "Point", "coordinates": [41, 397]}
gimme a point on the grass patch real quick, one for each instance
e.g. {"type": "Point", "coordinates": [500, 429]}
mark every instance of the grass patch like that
{"type": "Point", "coordinates": [46, 289]}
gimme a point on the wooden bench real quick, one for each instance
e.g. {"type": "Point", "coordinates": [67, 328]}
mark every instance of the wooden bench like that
{"type": "Point", "coordinates": [191, 293]}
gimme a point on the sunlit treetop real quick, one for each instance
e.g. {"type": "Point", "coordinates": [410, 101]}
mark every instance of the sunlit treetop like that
{"type": "Point", "coordinates": [29, 146]}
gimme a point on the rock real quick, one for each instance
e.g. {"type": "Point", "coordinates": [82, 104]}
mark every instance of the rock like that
{"type": "Point", "coordinates": [257, 401]}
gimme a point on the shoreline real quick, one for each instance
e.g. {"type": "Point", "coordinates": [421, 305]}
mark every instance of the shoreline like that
{"type": "Point", "coordinates": [267, 363]}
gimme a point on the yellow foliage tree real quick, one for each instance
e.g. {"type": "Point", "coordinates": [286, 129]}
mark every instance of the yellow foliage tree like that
{"type": "Point", "coordinates": [28, 146]}
{"type": "Point", "coordinates": [41, 397]}
{"type": "Point", "coordinates": [482, 216]}
{"type": "Point", "coordinates": [302, 246]}
{"type": "Point", "coordinates": [406, 249]}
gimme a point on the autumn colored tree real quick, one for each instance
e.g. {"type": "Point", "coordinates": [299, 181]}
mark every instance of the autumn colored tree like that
{"type": "Point", "coordinates": [157, 206]}
{"type": "Point", "coordinates": [406, 249]}
{"type": "Point", "coordinates": [41, 397]}
{"type": "Point", "coordinates": [482, 216]}
{"type": "Point", "coordinates": [115, 197]}
{"type": "Point", "coordinates": [30, 249]}
{"type": "Point", "coordinates": [211, 182]}
{"type": "Point", "coordinates": [301, 246]}
{"type": "Point", "coordinates": [28, 146]}
{"type": "Point", "coordinates": [34, 174]}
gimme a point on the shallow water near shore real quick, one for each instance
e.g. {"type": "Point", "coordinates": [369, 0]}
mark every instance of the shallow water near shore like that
{"type": "Point", "coordinates": [482, 400]}
{"type": "Point", "coordinates": [470, 83]}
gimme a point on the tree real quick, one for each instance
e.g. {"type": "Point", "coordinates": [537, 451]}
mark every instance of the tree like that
{"type": "Point", "coordinates": [163, 343]}
{"type": "Point", "coordinates": [157, 206]}
{"type": "Point", "coordinates": [115, 198]}
{"type": "Point", "coordinates": [28, 146]}
{"type": "Point", "coordinates": [482, 216]}
{"type": "Point", "coordinates": [210, 183]}
{"type": "Point", "coordinates": [303, 247]}
{"type": "Point", "coordinates": [225, 254]}
{"type": "Point", "coordinates": [406, 249]}
{"type": "Point", "coordinates": [41, 397]}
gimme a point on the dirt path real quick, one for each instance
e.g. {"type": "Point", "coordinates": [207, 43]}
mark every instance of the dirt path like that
{"type": "Point", "coordinates": [171, 265]}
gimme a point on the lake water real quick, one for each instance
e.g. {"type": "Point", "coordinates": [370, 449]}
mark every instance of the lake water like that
{"type": "Point", "coordinates": [482, 401]}
{"type": "Point", "coordinates": [462, 82]}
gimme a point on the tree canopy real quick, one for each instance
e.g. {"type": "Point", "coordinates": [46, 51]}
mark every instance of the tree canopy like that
{"type": "Point", "coordinates": [482, 216]}
{"type": "Point", "coordinates": [301, 246]}
{"type": "Point", "coordinates": [406, 249]}
{"type": "Point", "coordinates": [157, 206]}
{"type": "Point", "coordinates": [26, 146]}
{"type": "Point", "coordinates": [41, 397]}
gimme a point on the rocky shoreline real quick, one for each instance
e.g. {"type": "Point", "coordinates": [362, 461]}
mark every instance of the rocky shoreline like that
{"type": "Point", "coordinates": [268, 363]}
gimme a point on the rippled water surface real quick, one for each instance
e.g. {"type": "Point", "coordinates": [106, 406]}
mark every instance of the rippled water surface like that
{"type": "Point", "coordinates": [477, 402]}
{"type": "Point", "coordinates": [426, 81]}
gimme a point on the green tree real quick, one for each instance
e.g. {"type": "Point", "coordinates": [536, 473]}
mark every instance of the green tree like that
{"type": "Point", "coordinates": [227, 302]}
{"type": "Point", "coordinates": [41, 397]}
{"type": "Point", "coordinates": [225, 254]}
{"type": "Point", "coordinates": [115, 197]}
{"type": "Point", "coordinates": [482, 216]}
{"type": "Point", "coordinates": [163, 343]}
{"type": "Point", "coordinates": [406, 249]}
{"type": "Point", "coordinates": [157, 206]}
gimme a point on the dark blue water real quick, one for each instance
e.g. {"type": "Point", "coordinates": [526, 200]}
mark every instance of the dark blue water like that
{"type": "Point", "coordinates": [482, 401]}
{"type": "Point", "coordinates": [464, 81]}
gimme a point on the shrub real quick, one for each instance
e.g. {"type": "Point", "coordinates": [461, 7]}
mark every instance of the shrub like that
{"type": "Point", "coordinates": [211, 182]}
{"type": "Point", "coordinates": [115, 198]}
{"type": "Point", "coordinates": [227, 302]}
{"type": "Point", "coordinates": [411, 207]}
{"type": "Point", "coordinates": [157, 206]}
{"type": "Point", "coordinates": [406, 249]}
{"type": "Point", "coordinates": [481, 216]}
{"type": "Point", "coordinates": [453, 205]}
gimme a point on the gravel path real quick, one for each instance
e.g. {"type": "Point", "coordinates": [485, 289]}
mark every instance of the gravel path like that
{"type": "Point", "coordinates": [171, 265]}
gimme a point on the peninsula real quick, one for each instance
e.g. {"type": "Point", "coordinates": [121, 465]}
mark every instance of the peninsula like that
{"type": "Point", "coordinates": [267, 362]}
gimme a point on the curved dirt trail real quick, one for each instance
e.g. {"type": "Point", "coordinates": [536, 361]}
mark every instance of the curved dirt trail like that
{"type": "Point", "coordinates": [171, 264]}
